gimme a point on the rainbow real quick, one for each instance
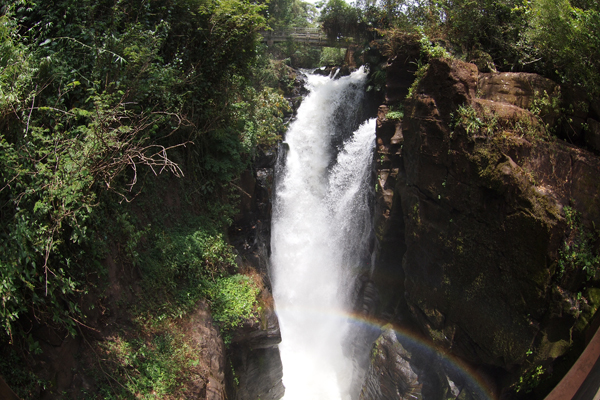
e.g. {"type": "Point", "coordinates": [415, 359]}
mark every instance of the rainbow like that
{"type": "Point", "coordinates": [476, 381]}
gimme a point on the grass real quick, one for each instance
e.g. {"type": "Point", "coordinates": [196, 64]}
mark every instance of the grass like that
{"type": "Point", "coordinates": [181, 264]}
{"type": "Point", "coordinates": [150, 361]}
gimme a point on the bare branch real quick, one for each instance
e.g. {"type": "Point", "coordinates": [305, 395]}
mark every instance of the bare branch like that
{"type": "Point", "coordinates": [30, 111]}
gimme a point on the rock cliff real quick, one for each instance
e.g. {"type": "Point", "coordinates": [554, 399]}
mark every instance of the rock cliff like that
{"type": "Point", "coordinates": [255, 365]}
{"type": "Point", "coordinates": [481, 210]}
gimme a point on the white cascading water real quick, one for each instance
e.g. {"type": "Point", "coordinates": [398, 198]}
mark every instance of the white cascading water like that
{"type": "Point", "coordinates": [321, 226]}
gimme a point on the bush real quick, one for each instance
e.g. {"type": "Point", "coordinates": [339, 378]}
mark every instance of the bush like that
{"type": "Point", "coordinates": [332, 56]}
{"type": "Point", "coordinates": [233, 300]}
{"type": "Point", "coordinates": [579, 252]}
{"type": "Point", "coordinates": [100, 96]}
{"type": "Point", "coordinates": [568, 38]}
{"type": "Point", "coordinates": [155, 362]}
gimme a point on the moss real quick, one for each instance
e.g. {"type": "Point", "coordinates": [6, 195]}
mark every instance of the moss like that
{"type": "Point", "coordinates": [549, 349]}
{"type": "Point", "coordinates": [419, 74]}
{"type": "Point", "coordinates": [592, 296]}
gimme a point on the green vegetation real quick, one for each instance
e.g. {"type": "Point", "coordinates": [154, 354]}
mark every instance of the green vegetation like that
{"type": "Point", "coordinates": [395, 113]}
{"type": "Point", "coordinates": [283, 14]}
{"type": "Point", "coordinates": [339, 20]}
{"type": "Point", "coordinates": [486, 123]}
{"type": "Point", "coordinates": [556, 38]}
{"type": "Point", "coordinates": [233, 300]}
{"type": "Point", "coordinates": [547, 107]}
{"type": "Point", "coordinates": [419, 74]}
{"type": "Point", "coordinates": [530, 379]}
{"type": "Point", "coordinates": [16, 372]}
{"type": "Point", "coordinates": [146, 367]}
{"type": "Point", "coordinates": [332, 56]}
{"type": "Point", "coordinates": [123, 127]}
{"type": "Point", "coordinates": [180, 266]}
{"type": "Point", "coordinates": [580, 252]}
{"type": "Point", "coordinates": [567, 35]}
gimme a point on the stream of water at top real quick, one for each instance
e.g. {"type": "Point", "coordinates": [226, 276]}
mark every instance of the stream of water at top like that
{"type": "Point", "coordinates": [320, 233]}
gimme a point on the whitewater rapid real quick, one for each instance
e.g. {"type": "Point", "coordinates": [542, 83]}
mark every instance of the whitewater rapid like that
{"type": "Point", "coordinates": [320, 231]}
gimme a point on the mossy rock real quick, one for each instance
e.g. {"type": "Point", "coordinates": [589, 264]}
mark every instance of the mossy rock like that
{"type": "Point", "coordinates": [588, 313]}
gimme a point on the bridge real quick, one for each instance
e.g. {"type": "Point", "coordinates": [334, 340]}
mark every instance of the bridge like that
{"type": "Point", "coordinates": [582, 382]}
{"type": "Point", "coordinates": [312, 36]}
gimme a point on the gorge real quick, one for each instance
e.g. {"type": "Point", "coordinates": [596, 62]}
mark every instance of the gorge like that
{"type": "Point", "coordinates": [421, 254]}
{"type": "Point", "coordinates": [497, 339]}
{"type": "Point", "coordinates": [186, 214]}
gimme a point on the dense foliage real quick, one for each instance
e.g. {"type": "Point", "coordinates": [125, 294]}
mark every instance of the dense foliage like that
{"type": "Point", "coordinates": [567, 34]}
{"type": "Point", "coordinates": [98, 97]}
{"type": "Point", "coordinates": [339, 19]}
{"type": "Point", "coordinates": [284, 14]}
{"type": "Point", "coordinates": [557, 38]}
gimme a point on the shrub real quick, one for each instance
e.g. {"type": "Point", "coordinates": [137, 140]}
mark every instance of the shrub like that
{"type": "Point", "coordinates": [233, 300]}
{"type": "Point", "coordinates": [568, 39]}
{"type": "Point", "coordinates": [579, 252]}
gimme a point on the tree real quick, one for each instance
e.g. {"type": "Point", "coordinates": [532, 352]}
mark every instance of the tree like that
{"type": "Point", "coordinates": [99, 95]}
{"type": "Point", "coordinates": [568, 40]}
{"type": "Point", "coordinates": [339, 19]}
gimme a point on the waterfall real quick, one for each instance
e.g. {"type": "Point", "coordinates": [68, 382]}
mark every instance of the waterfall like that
{"type": "Point", "coordinates": [321, 226]}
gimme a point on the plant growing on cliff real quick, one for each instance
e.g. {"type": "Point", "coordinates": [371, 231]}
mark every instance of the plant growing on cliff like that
{"type": "Point", "coordinates": [468, 118]}
{"type": "Point", "coordinates": [485, 123]}
{"type": "Point", "coordinates": [188, 264]}
{"type": "Point", "coordinates": [233, 300]}
{"type": "Point", "coordinates": [429, 50]}
{"type": "Point", "coordinates": [148, 362]}
{"type": "Point", "coordinates": [546, 104]}
{"type": "Point", "coordinates": [580, 249]}
{"type": "Point", "coordinates": [419, 74]}
{"type": "Point", "coordinates": [530, 380]}
{"type": "Point", "coordinates": [395, 113]}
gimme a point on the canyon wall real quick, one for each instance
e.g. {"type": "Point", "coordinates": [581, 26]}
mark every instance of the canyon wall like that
{"type": "Point", "coordinates": [255, 370]}
{"type": "Point", "coordinates": [476, 200]}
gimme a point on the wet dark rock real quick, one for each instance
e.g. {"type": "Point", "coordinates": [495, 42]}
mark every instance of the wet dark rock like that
{"type": "Point", "coordinates": [296, 92]}
{"type": "Point", "coordinates": [255, 369]}
{"type": "Point", "coordinates": [358, 349]}
{"type": "Point", "coordinates": [400, 72]}
{"type": "Point", "coordinates": [390, 375]}
{"type": "Point", "coordinates": [470, 227]}
{"type": "Point", "coordinates": [389, 222]}
{"type": "Point", "coordinates": [202, 330]}
{"type": "Point", "coordinates": [255, 361]}
{"type": "Point", "coordinates": [334, 71]}
{"type": "Point", "coordinates": [250, 233]}
{"type": "Point", "coordinates": [400, 369]}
